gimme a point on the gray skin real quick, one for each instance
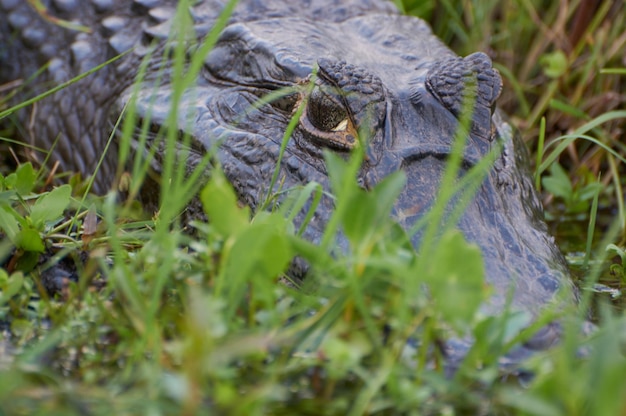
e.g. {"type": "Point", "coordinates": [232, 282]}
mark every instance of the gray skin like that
{"type": "Point", "coordinates": [383, 72]}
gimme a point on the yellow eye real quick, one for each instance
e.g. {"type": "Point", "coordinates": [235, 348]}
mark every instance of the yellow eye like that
{"type": "Point", "coordinates": [326, 121]}
{"type": "Point", "coordinates": [324, 111]}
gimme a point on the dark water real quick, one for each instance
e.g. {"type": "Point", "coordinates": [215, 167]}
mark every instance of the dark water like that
{"type": "Point", "coordinates": [571, 233]}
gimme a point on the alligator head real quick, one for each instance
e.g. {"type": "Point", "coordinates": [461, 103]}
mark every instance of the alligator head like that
{"type": "Point", "coordinates": [375, 71]}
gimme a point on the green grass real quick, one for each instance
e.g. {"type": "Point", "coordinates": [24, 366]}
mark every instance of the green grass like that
{"type": "Point", "coordinates": [162, 321]}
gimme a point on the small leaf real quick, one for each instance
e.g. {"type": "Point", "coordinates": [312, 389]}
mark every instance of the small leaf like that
{"type": "Point", "coordinates": [612, 248]}
{"type": "Point", "coordinates": [369, 210]}
{"type": "Point", "coordinates": [8, 222]}
{"type": "Point", "coordinates": [11, 287]}
{"type": "Point", "coordinates": [51, 206]}
{"type": "Point", "coordinates": [456, 279]}
{"type": "Point", "coordinates": [25, 178]}
{"type": "Point", "coordinates": [558, 182]}
{"type": "Point", "coordinates": [28, 261]}
{"type": "Point", "coordinates": [9, 181]}
{"type": "Point", "coordinates": [7, 197]}
{"type": "Point", "coordinates": [29, 239]}
{"type": "Point", "coordinates": [261, 249]}
{"type": "Point", "coordinates": [589, 191]}
{"type": "Point", "coordinates": [554, 64]}
{"type": "Point", "coordinates": [357, 221]}
{"type": "Point", "coordinates": [220, 204]}
{"type": "Point", "coordinates": [256, 256]}
{"type": "Point", "coordinates": [343, 356]}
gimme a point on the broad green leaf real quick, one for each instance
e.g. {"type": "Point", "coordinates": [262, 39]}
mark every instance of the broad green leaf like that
{"type": "Point", "coordinates": [256, 256]}
{"type": "Point", "coordinates": [342, 355]}
{"type": "Point", "coordinates": [11, 287]}
{"type": "Point", "coordinates": [261, 250]}
{"type": "Point", "coordinates": [220, 204]}
{"type": "Point", "coordinates": [456, 279]}
{"type": "Point", "coordinates": [28, 261]}
{"type": "Point", "coordinates": [7, 197]}
{"type": "Point", "coordinates": [29, 239]}
{"type": "Point", "coordinates": [51, 206]}
{"type": "Point", "coordinates": [558, 182]}
{"type": "Point", "coordinates": [8, 222]}
{"type": "Point", "coordinates": [369, 210]}
{"type": "Point", "coordinates": [387, 191]}
{"type": "Point", "coordinates": [359, 218]}
{"type": "Point", "coordinates": [25, 178]}
{"type": "Point", "coordinates": [8, 182]}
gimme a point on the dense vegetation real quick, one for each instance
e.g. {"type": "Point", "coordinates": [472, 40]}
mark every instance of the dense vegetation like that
{"type": "Point", "coordinates": [163, 321]}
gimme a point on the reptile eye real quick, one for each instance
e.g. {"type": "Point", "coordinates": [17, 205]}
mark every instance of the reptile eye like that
{"type": "Point", "coordinates": [326, 120]}
{"type": "Point", "coordinates": [324, 112]}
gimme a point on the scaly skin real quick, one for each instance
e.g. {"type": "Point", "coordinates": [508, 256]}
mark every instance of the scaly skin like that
{"type": "Point", "coordinates": [379, 72]}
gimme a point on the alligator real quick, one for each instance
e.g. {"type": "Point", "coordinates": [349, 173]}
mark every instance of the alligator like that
{"type": "Point", "coordinates": [366, 68]}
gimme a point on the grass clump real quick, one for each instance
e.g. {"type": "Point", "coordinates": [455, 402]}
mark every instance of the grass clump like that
{"type": "Point", "coordinates": [562, 63]}
{"type": "Point", "coordinates": [152, 319]}
{"type": "Point", "coordinates": [194, 324]}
